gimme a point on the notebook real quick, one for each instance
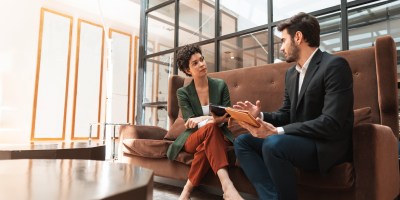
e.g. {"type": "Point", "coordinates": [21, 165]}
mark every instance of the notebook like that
{"type": "Point", "coordinates": [241, 116]}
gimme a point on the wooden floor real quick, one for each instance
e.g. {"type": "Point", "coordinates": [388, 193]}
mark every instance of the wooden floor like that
{"type": "Point", "coordinates": [168, 192]}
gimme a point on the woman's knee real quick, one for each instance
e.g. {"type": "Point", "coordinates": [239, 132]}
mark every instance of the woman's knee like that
{"type": "Point", "coordinates": [212, 125]}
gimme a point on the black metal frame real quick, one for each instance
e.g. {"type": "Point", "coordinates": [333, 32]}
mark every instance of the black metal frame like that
{"type": "Point", "coordinates": [343, 7]}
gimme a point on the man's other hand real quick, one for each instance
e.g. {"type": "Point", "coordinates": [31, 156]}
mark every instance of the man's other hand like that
{"type": "Point", "coordinates": [253, 109]}
{"type": "Point", "coordinates": [266, 129]}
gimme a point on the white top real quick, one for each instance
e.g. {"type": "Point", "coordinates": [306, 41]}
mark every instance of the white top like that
{"type": "Point", "coordinates": [206, 112]}
{"type": "Point", "coordinates": [302, 71]}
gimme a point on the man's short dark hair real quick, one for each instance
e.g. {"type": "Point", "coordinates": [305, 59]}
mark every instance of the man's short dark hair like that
{"type": "Point", "coordinates": [184, 55]}
{"type": "Point", "coordinates": [307, 24]}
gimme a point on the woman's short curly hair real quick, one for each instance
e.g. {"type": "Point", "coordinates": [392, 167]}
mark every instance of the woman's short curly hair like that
{"type": "Point", "coordinates": [184, 55]}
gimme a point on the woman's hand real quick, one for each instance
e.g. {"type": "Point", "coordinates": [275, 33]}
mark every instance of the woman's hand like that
{"type": "Point", "coordinates": [219, 119]}
{"type": "Point", "coordinates": [193, 122]}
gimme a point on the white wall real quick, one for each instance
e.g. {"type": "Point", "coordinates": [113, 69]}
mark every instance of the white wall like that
{"type": "Point", "coordinates": [20, 20]}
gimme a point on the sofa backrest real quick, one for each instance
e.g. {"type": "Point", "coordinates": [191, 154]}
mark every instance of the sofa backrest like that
{"type": "Point", "coordinates": [374, 74]}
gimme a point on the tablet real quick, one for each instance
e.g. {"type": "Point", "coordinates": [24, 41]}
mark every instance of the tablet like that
{"type": "Point", "coordinates": [218, 110]}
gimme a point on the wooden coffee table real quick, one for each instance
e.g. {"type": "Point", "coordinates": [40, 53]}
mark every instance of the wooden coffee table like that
{"type": "Point", "coordinates": [38, 179]}
{"type": "Point", "coordinates": [53, 150]}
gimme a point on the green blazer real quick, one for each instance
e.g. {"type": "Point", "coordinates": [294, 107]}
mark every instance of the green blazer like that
{"type": "Point", "coordinates": [190, 106]}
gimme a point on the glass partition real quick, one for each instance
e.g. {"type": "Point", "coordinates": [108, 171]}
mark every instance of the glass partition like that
{"type": "Point", "coordinates": [238, 15]}
{"type": "Point", "coordinates": [244, 51]}
{"type": "Point", "coordinates": [153, 3]}
{"type": "Point", "coordinates": [286, 9]}
{"type": "Point", "coordinates": [196, 21]}
{"type": "Point", "coordinates": [161, 29]}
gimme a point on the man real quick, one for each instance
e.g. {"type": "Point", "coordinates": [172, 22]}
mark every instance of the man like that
{"type": "Point", "coordinates": [312, 130]}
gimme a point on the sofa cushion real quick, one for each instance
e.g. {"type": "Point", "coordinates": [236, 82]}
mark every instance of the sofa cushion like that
{"type": "Point", "coordinates": [362, 116]}
{"type": "Point", "coordinates": [185, 158]}
{"type": "Point", "coordinates": [340, 177]}
{"type": "Point", "coordinates": [237, 130]}
{"type": "Point", "coordinates": [175, 130]}
{"type": "Point", "coordinates": [146, 148]}
{"type": "Point", "coordinates": [158, 149]}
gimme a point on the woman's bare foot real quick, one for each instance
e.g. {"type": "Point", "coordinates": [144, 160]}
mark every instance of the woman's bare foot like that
{"type": "Point", "coordinates": [230, 193]}
{"type": "Point", "coordinates": [185, 195]}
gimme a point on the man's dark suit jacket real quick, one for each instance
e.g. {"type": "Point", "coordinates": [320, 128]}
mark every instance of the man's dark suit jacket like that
{"type": "Point", "coordinates": [322, 111]}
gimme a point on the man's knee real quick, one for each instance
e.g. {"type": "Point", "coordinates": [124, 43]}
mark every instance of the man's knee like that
{"type": "Point", "coordinates": [242, 140]}
{"type": "Point", "coordinates": [272, 145]}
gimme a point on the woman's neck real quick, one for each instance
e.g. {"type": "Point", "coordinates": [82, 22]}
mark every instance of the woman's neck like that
{"type": "Point", "coordinates": [200, 81]}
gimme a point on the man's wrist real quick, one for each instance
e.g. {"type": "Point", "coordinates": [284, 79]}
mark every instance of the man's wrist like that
{"type": "Point", "coordinates": [280, 130]}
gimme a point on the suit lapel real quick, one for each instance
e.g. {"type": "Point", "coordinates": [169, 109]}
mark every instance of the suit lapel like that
{"type": "Point", "coordinates": [294, 94]}
{"type": "Point", "coordinates": [312, 68]}
{"type": "Point", "coordinates": [212, 92]}
{"type": "Point", "coordinates": [194, 99]}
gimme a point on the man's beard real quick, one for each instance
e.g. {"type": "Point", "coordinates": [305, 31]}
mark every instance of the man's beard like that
{"type": "Point", "coordinates": [292, 55]}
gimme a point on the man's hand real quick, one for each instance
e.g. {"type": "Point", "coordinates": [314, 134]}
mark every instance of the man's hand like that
{"type": "Point", "coordinates": [253, 109]}
{"type": "Point", "coordinates": [266, 129]}
{"type": "Point", "coordinates": [216, 119]}
{"type": "Point", "coordinates": [193, 122]}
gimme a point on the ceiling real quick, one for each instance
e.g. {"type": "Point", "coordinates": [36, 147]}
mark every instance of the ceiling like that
{"type": "Point", "coordinates": [123, 11]}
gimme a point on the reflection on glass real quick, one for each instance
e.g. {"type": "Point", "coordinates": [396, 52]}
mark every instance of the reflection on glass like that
{"type": "Point", "coordinates": [237, 15]}
{"type": "Point", "coordinates": [209, 56]}
{"type": "Point", "coordinates": [370, 21]}
{"type": "Point", "coordinates": [156, 116]}
{"type": "Point", "coordinates": [244, 51]}
{"type": "Point", "coordinates": [158, 71]}
{"type": "Point", "coordinates": [286, 9]}
{"type": "Point", "coordinates": [208, 21]}
{"type": "Point", "coordinates": [137, 81]}
{"type": "Point", "coordinates": [153, 3]}
{"type": "Point", "coordinates": [194, 16]}
{"type": "Point", "coordinates": [330, 37]}
{"type": "Point", "coordinates": [278, 54]}
{"type": "Point", "coordinates": [161, 29]}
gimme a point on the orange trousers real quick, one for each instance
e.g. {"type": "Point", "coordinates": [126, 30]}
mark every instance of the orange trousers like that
{"type": "Point", "coordinates": [208, 144]}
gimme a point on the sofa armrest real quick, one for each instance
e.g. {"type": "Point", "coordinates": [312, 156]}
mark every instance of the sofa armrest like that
{"type": "Point", "coordinates": [139, 132]}
{"type": "Point", "coordinates": [376, 164]}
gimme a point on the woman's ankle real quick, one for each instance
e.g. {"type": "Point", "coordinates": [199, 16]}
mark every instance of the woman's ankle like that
{"type": "Point", "coordinates": [227, 185]}
{"type": "Point", "coordinates": [188, 187]}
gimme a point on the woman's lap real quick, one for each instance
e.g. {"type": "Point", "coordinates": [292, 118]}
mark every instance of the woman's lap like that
{"type": "Point", "coordinates": [198, 137]}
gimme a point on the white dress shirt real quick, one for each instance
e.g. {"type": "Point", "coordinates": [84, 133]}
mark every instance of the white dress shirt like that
{"type": "Point", "coordinates": [302, 72]}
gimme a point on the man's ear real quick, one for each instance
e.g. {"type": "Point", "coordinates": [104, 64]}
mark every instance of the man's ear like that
{"type": "Point", "coordinates": [298, 38]}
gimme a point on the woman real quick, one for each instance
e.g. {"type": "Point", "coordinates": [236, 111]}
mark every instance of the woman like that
{"type": "Point", "coordinates": [205, 136]}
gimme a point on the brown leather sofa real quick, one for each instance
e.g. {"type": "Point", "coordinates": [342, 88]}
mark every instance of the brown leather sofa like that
{"type": "Point", "coordinates": [374, 173]}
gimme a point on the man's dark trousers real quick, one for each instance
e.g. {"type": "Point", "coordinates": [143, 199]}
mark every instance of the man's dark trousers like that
{"type": "Point", "coordinates": [269, 163]}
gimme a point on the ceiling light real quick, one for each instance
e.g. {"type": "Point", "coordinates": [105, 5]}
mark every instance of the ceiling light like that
{"type": "Point", "coordinates": [232, 55]}
{"type": "Point", "coordinates": [168, 28]}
